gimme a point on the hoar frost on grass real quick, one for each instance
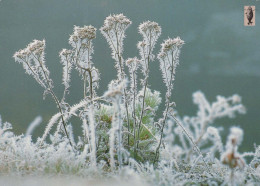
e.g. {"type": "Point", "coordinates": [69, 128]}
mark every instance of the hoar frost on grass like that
{"type": "Point", "coordinates": [121, 138]}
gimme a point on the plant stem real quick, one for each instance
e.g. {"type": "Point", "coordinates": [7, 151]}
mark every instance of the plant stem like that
{"type": "Point", "coordinates": [55, 99]}
{"type": "Point", "coordinates": [122, 78]}
{"type": "Point", "coordinates": [146, 83]}
{"type": "Point", "coordinates": [190, 138]}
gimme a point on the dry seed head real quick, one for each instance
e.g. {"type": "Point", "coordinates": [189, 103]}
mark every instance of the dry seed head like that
{"type": "Point", "coordinates": [65, 52]}
{"type": "Point", "coordinates": [21, 54]}
{"type": "Point", "coordinates": [141, 44]}
{"type": "Point", "coordinates": [150, 26]}
{"type": "Point", "coordinates": [233, 160]}
{"type": "Point", "coordinates": [86, 32]}
{"type": "Point", "coordinates": [81, 33]}
{"type": "Point", "coordinates": [113, 20]}
{"type": "Point", "coordinates": [170, 45]}
{"type": "Point", "coordinates": [132, 60]}
{"type": "Point", "coordinates": [37, 47]}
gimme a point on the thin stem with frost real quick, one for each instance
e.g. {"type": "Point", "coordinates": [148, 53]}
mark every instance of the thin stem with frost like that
{"type": "Point", "coordinates": [169, 59]}
{"type": "Point", "coordinates": [150, 32]}
{"type": "Point", "coordinates": [133, 64]}
{"type": "Point", "coordinates": [190, 138]}
{"type": "Point", "coordinates": [32, 58]}
{"type": "Point", "coordinates": [114, 31]}
{"type": "Point", "coordinates": [93, 136]}
{"type": "Point", "coordinates": [81, 41]}
{"type": "Point", "coordinates": [55, 99]}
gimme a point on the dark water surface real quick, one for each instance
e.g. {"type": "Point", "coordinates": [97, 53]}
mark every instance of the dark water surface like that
{"type": "Point", "coordinates": [220, 57]}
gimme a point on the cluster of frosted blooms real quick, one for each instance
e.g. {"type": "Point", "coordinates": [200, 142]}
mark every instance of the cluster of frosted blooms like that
{"type": "Point", "coordinates": [169, 59]}
{"type": "Point", "coordinates": [65, 53]}
{"type": "Point", "coordinates": [36, 47]}
{"type": "Point", "coordinates": [115, 21]}
{"type": "Point", "coordinates": [133, 64]}
{"type": "Point", "coordinates": [150, 32]}
{"type": "Point", "coordinates": [149, 27]}
{"type": "Point", "coordinates": [32, 58]}
{"type": "Point", "coordinates": [114, 31]}
{"type": "Point", "coordinates": [81, 33]}
{"type": "Point", "coordinates": [170, 45]}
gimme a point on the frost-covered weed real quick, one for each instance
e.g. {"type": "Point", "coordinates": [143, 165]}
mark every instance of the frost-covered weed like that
{"type": "Point", "coordinates": [120, 136]}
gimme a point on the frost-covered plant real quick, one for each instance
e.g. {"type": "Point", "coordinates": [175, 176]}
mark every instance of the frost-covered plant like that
{"type": "Point", "coordinates": [81, 42]}
{"type": "Point", "coordinates": [231, 157]}
{"type": "Point", "coordinates": [114, 31]}
{"type": "Point", "coordinates": [150, 32]}
{"type": "Point", "coordinates": [169, 59]}
{"type": "Point", "coordinates": [33, 61]}
{"type": "Point", "coordinates": [198, 126]}
{"type": "Point", "coordinates": [120, 136]}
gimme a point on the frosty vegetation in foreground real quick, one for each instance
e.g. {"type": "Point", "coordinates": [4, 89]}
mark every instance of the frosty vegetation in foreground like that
{"type": "Point", "coordinates": [120, 135]}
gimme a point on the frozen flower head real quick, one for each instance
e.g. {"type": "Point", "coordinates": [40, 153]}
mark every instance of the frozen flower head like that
{"type": "Point", "coordinates": [114, 31]}
{"type": "Point", "coordinates": [35, 48]}
{"type": "Point", "coordinates": [114, 22]}
{"type": "Point", "coordinates": [169, 59]}
{"type": "Point", "coordinates": [20, 55]}
{"type": "Point", "coordinates": [233, 160]}
{"type": "Point", "coordinates": [32, 58]}
{"type": "Point", "coordinates": [82, 35]}
{"type": "Point", "coordinates": [150, 27]}
{"type": "Point", "coordinates": [65, 53]}
{"type": "Point", "coordinates": [169, 46]}
{"type": "Point", "coordinates": [231, 157]}
{"type": "Point", "coordinates": [236, 136]}
{"type": "Point", "coordinates": [133, 63]}
{"type": "Point", "coordinates": [150, 32]}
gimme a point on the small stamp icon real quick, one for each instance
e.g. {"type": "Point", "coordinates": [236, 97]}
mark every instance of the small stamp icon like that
{"type": "Point", "coordinates": [249, 15]}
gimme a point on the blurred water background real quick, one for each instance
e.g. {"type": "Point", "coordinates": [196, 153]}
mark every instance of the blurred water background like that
{"type": "Point", "coordinates": [221, 56]}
